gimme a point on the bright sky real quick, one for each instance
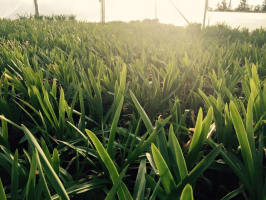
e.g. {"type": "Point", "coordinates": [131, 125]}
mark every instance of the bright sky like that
{"type": "Point", "coordinates": [115, 9]}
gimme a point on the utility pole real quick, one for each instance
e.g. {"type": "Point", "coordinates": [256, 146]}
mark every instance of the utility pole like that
{"type": "Point", "coordinates": [205, 11]}
{"type": "Point", "coordinates": [36, 8]}
{"type": "Point", "coordinates": [156, 9]}
{"type": "Point", "coordinates": [102, 10]}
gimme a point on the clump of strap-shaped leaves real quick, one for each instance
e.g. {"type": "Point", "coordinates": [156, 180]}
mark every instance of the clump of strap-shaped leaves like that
{"type": "Point", "coordinates": [118, 116]}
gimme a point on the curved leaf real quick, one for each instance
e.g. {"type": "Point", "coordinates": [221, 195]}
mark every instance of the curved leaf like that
{"type": "Point", "coordinates": [48, 169]}
{"type": "Point", "coordinates": [187, 193]}
{"type": "Point", "coordinates": [166, 176]}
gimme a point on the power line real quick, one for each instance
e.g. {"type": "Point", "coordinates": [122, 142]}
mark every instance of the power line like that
{"type": "Point", "coordinates": [179, 11]}
{"type": "Point", "coordinates": [14, 9]}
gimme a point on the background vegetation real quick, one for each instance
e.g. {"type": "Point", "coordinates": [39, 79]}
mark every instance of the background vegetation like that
{"type": "Point", "coordinates": [243, 6]}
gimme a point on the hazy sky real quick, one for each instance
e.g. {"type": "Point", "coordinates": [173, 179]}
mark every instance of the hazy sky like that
{"type": "Point", "coordinates": [115, 9]}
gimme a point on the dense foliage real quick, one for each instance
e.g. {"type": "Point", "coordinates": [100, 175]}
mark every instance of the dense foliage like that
{"type": "Point", "coordinates": [134, 110]}
{"type": "Point", "coordinates": [243, 6]}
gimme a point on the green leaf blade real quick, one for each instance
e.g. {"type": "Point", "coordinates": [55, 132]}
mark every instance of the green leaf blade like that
{"type": "Point", "coordinates": [166, 176]}
{"type": "Point", "coordinates": [187, 193]}
{"type": "Point", "coordinates": [14, 178]}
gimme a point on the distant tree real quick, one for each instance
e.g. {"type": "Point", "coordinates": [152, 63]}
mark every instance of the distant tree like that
{"type": "Point", "coordinates": [36, 8]}
{"type": "Point", "coordinates": [222, 6]}
{"type": "Point", "coordinates": [210, 9]}
{"type": "Point", "coordinates": [257, 8]}
{"type": "Point", "coordinates": [230, 5]}
{"type": "Point", "coordinates": [218, 6]}
{"type": "Point", "coordinates": [263, 8]}
{"type": "Point", "coordinates": [243, 6]}
{"type": "Point", "coordinates": [243, 3]}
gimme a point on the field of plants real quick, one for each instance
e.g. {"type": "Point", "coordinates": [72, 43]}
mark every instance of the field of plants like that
{"type": "Point", "coordinates": [135, 110]}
